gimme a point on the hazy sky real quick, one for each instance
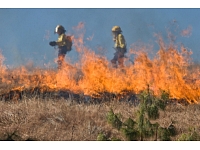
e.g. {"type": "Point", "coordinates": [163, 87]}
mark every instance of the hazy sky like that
{"type": "Point", "coordinates": [26, 32]}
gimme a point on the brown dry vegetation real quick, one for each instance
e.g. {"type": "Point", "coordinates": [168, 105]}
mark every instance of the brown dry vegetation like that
{"type": "Point", "coordinates": [65, 120]}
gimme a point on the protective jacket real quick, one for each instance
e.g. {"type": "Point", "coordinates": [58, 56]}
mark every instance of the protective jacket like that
{"type": "Point", "coordinates": [120, 42]}
{"type": "Point", "coordinates": [61, 40]}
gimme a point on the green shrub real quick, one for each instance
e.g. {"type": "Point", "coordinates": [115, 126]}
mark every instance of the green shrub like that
{"type": "Point", "coordinates": [130, 134]}
{"type": "Point", "coordinates": [164, 95]}
{"type": "Point", "coordinates": [142, 128]}
{"type": "Point", "coordinates": [153, 112]}
{"type": "Point", "coordinates": [129, 123]}
{"type": "Point", "coordinates": [163, 134]}
{"type": "Point", "coordinates": [113, 120]}
{"type": "Point", "coordinates": [193, 136]}
{"type": "Point", "coordinates": [161, 104]}
{"type": "Point", "coordinates": [101, 137]}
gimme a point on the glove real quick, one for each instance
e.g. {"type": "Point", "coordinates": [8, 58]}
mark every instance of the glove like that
{"type": "Point", "coordinates": [52, 43]}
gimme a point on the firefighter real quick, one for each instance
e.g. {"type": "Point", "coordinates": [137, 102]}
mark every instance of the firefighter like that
{"type": "Point", "coordinates": [120, 47]}
{"type": "Point", "coordinates": [62, 43]}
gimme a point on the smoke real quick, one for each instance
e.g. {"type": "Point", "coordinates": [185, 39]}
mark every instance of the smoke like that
{"type": "Point", "coordinates": [187, 32]}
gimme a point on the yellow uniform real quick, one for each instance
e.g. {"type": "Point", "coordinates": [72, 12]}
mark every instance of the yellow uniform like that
{"type": "Point", "coordinates": [64, 44]}
{"type": "Point", "coordinates": [120, 41]}
{"type": "Point", "coordinates": [61, 40]}
{"type": "Point", "coordinates": [120, 47]}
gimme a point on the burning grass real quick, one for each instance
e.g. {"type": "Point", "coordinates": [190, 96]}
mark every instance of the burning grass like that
{"type": "Point", "coordinates": [36, 107]}
{"type": "Point", "coordinates": [171, 70]}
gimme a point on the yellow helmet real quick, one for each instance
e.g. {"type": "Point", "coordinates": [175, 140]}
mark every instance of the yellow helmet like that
{"type": "Point", "coordinates": [116, 29]}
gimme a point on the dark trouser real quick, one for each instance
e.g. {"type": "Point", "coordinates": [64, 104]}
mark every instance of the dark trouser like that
{"type": "Point", "coordinates": [61, 57]}
{"type": "Point", "coordinates": [118, 58]}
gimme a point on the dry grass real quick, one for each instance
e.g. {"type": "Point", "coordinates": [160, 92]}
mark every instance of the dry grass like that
{"type": "Point", "coordinates": [66, 120]}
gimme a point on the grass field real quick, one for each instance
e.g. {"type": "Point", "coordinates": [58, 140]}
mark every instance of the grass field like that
{"type": "Point", "coordinates": [59, 119]}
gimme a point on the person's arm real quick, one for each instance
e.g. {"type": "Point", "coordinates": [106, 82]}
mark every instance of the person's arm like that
{"type": "Point", "coordinates": [59, 42]}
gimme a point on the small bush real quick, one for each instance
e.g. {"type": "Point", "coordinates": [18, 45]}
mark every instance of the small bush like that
{"type": "Point", "coordinates": [142, 128]}
{"type": "Point", "coordinates": [161, 104]}
{"type": "Point", "coordinates": [129, 123]}
{"type": "Point", "coordinates": [130, 134]}
{"type": "Point", "coordinates": [194, 136]}
{"type": "Point", "coordinates": [113, 120]}
{"type": "Point", "coordinates": [165, 95]}
{"type": "Point", "coordinates": [163, 134]}
{"type": "Point", "coordinates": [102, 137]}
{"type": "Point", "coordinates": [153, 112]}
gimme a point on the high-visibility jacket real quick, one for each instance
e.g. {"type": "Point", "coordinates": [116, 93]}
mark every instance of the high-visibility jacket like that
{"type": "Point", "coordinates": [61, 40]}
{"type": "Point", "coordinates": [120, 41]}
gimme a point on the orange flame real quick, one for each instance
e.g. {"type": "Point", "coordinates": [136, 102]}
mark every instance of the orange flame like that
{"type": "Point", "coordinates": [170, 70]}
